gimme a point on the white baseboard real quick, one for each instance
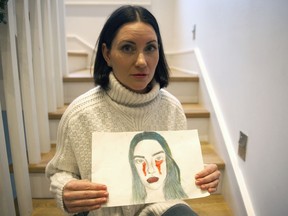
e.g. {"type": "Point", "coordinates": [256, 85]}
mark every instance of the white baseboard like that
{"type": "Point", "coordinates": [227, 141]}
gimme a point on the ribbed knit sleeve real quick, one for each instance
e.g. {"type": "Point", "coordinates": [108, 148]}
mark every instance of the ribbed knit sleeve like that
{"type": "Point", "coordinates": [64, 166]}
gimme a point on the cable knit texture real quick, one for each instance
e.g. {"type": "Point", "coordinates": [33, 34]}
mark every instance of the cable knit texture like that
{"type": "Point", "coordinates": [115, 110]}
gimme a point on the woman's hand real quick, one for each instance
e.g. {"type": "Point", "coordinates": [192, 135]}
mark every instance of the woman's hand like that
{"type": "Point", "coordinates": [208, 178]}
{"type": "Point", "coordinates": [83, 195]}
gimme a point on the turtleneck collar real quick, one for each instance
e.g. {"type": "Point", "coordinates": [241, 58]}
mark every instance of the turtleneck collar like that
{"type": "Point", "coordinates": [120, 94]}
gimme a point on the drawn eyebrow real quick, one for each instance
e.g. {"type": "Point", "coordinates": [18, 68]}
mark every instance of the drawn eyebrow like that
{"type": "Point", "coordinates": [158, 153]}
{"type": "Point", "coordinates": [138, 156]}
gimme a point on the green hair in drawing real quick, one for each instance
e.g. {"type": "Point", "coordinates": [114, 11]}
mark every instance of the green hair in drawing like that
{"type": "Point", "coordinates": [153, 167]}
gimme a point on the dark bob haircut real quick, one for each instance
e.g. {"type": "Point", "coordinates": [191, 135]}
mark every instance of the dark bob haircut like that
{"type": "Point", "coordinates": [121, 16]}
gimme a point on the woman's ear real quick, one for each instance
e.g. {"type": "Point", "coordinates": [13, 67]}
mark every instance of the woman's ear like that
{"type": "Point", "coordinates": [106, 54]}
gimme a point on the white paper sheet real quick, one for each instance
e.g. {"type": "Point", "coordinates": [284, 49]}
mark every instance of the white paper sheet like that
{"type": "Point", "coordinates": [110, 166]}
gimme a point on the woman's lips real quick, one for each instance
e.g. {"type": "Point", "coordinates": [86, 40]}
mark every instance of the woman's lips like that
{"type": "Point", "coordinates": [152, 179]}
{"type": "Point", "coordinates": [140, 75]}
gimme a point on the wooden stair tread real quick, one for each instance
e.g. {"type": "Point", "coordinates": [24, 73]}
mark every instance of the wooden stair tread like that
{"type": "Point", "coordinates": [209, 156]}
{"type": "Point", "coordinates": [191, 111]}
{"type": "Point", "coordinates": [86, 75]}
{"type": "Point", "coordinates": [212, 205]}
{"type": "Point", "coordinates": [77, 53]}
{"type": "Point", "coordinates": [58, 113]}
{"type": "Point", "coordinates": [45, 158]}
{"type": "Point", "coordinates": [195, 110]}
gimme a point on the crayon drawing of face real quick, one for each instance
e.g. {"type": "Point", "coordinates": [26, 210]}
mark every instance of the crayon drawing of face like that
{"type": "Point", "coordinates": [150, 162]}
{"type": "Point", "coordinates": [155, 174]}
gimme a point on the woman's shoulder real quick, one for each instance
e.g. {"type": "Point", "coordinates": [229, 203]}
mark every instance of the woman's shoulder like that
{"type": "Point", "coordinates": [170, 98]}
{"type": "Point", "coordinates": [81, 103]}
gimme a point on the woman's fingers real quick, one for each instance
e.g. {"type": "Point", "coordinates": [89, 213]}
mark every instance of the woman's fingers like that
{"type": "Point", "coordinates": [82, 195]}
{"type": "Point", "coordinates": [210, 187]}
{"type": "Point", "coordinates": [80, 185]}
{"type": "Point", "coordinates": [84, 204]}
{"type": "Point", "coordinates": [83, 209]}
{"type": "Point", "coordinates": [209, 169]}
{"type": "Point", "coordinates": [208, 179]}
{"type": "Point", "coordinates": [85, 194]}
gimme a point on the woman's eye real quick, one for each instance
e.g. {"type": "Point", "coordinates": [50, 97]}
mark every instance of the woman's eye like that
{"type": "Point", "coordinates": [151, 48]}
{"type": "Point", "coordinates": [127, 48]}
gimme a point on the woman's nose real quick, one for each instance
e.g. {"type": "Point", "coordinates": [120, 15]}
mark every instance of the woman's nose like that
{"type": "Point", "coordinates": [141, 60]}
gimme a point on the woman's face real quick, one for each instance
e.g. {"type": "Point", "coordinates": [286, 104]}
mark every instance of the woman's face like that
{"type": "Point", "coordinates": [133, 55]}
{"type": "Point", "coordinates": [150, 161]}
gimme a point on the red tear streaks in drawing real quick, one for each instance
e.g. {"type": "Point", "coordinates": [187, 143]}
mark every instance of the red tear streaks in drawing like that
{"type": "Point", "coordinates": [158, 165]}
{"type": "Point", "coordinates": [144, 168]}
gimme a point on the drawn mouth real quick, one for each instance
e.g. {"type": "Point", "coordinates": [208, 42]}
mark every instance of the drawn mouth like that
{"type": "Point", "coordinates": [152, 179]}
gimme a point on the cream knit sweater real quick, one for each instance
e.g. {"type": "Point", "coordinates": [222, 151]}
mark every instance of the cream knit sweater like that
{"type": "Point", "coordinates": [115, 110]}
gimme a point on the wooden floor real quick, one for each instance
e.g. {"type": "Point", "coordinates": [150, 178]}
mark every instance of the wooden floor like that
{"type": "Point", "coordinates": [213, 205]}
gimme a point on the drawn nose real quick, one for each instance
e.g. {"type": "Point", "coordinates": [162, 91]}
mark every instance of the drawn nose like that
{"type": "Point", "coordinates": [151, 168]}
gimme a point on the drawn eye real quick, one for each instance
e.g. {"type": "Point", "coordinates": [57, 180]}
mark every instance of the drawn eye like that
{"type": "Point", "coordinates": [139, 160]}
{"type": "Point", "coordinates": [159, 158]}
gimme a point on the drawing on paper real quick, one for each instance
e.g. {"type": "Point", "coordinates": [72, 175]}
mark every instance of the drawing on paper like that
{"type": "Point", "coordinates": [154, 171]}
{"type": "Point", "coordinates": [144, 167]}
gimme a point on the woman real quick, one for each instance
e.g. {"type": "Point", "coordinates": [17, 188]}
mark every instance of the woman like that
{"type": "Point", "coordinates": [155, 173]}
{"type": "Point", "coordinates": [130, 72]}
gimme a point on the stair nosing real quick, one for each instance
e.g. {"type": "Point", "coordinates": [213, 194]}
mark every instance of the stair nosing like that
{"type": "Point", "coordinates": [81, 76]}
{"type": "Point", "coordinates": [191, 110]}
{"type": "Point", "coordinates": [77, 53]}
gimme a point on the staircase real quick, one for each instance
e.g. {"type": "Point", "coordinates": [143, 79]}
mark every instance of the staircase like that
{"type": "Point", "coordinates": [182, 85]}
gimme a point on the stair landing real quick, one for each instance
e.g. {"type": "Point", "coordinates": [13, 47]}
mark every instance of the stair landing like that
{"type": "Point", "coordinates": [213, 205]}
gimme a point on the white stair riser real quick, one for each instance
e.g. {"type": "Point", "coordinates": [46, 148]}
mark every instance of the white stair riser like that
{"type": "Point", "coordinates": [201, 124]}
{"type": "Point", "coordinates": [186, 92]}
{"type": "Point", "coordinates": [76, 63]}
{"type": "Point", "coordinates": [40, 186]}
{"type": "Point", "coordinates": [74, 89]}
{"type": "Point", "coordinates": [53, 126]}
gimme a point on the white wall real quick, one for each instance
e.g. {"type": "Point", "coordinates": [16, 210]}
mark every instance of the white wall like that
{"type": "Point", "coordinates": [244, 45]}
{"type": "Point", "coordinates": [86, 19]}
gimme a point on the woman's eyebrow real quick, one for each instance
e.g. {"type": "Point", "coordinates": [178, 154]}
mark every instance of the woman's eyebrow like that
{"type": "Point", "coordinates": [152, 41]}
{"type": "Point", "coordinates": [158, 153]}
{"type": "Point", "coordinates": [127, 41]}
{"type": "Point", "coordinates": [132, 42]}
